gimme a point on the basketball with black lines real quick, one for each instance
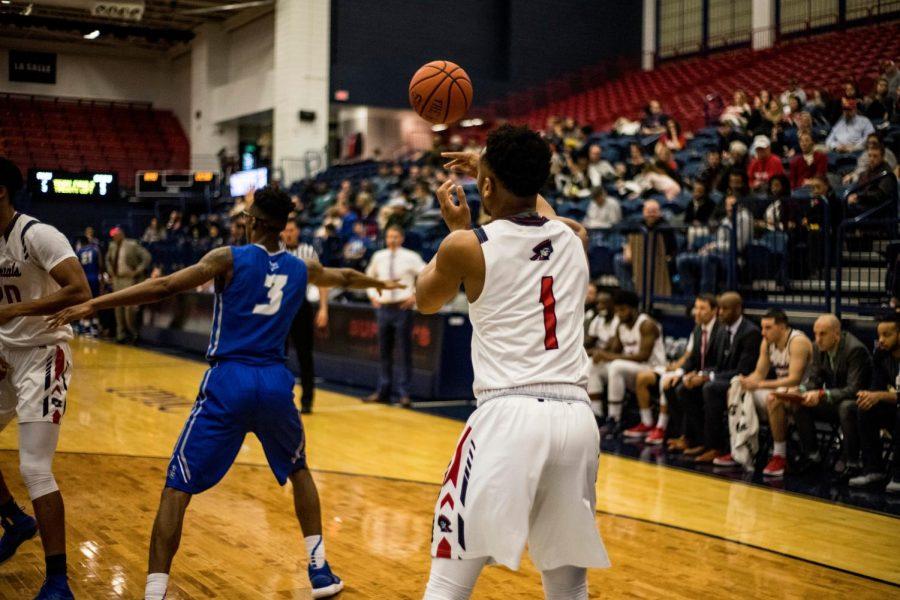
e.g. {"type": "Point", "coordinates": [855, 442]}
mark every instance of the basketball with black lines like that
{"type": "Point", "coordinates": [441, 92]}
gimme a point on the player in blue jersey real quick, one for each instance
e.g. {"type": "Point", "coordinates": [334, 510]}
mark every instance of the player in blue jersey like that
{"type": "Point", "coordinates": [259, 289]}
{"type": "Point", "coordinates": [88, 253]}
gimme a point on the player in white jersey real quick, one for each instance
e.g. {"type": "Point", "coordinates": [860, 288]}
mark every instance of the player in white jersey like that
{"type": "Point", "coordinates": [39, 275]}
{"type": "Point", "coordinates": [525, 466]}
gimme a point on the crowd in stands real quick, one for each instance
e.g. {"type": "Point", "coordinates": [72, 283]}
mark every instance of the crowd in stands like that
{"type": "Point", "coordinates": [733, 394]}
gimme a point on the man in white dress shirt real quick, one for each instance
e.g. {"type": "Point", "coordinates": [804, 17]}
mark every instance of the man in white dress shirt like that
{"type": "Point", "coordinates": [395, 313]}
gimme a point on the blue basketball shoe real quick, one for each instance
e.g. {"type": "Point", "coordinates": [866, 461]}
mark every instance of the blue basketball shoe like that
{"type": "Point", "coordinates": [55, 588]}
{"type": "Point", "coordinates": [16, 532]}
{"type": "Point", "coordinates": [325, 584]}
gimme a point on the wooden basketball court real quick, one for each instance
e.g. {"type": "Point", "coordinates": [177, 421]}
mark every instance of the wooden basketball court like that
{"type": "Point", "coordinates": [670, 533]}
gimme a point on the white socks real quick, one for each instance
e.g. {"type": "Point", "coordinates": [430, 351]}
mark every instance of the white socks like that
{"type": "Point", "coordinates": [156, 586]}
{"type": "Point", "coordinates": [663, 421]}
{"type": "Point", "coordinates": [780, 449]}
{"type": "Point", "coordinates": [315, 549]}
{"type": "Point", "coordinates": [647, 417]}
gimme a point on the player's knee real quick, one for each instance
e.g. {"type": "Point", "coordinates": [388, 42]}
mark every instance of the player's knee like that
{"type": "Point", "coordinates": [565, 583]}
{"type": "Point", "coordinates": [38, 478]}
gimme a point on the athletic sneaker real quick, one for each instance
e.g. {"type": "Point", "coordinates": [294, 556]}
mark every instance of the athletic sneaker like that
{"type": "Point", "coordinates": [893, 487]}
{"type": "Point", "coordinates": [724, 461]}
{"type": "Point", "coordinates": [638, 431]}
{"type": "Point", "coordinates": [655, 437]}
{"type": "Point", "coordinates": [776, 466]}
{"type": "Point", "coordinates": [324, 583]}
{"type": "Point", "coordinates": [55, 588]}
{"type": "Point", "coordinates": [866, 479]}
{"type": "Point", "coordinates": [15, 533]}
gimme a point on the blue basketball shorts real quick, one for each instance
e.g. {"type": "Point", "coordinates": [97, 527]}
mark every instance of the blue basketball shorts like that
{"type": "Point", "coordinates": [235, 399]}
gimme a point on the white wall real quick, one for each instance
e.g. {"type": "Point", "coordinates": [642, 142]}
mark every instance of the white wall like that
{"type": "Point", "coordinates": [158, 80]}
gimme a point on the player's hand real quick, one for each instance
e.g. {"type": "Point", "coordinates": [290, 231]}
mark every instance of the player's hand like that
{"type": "Point", "coordinates": [68, 315]}
{"type": "Point", "coordinates": [456, 215]}
{"type": "Point", "coordinates": [4, 368]}
{"type": "Point", "coordinates": [811, 399]}
{"type": "Point", "coordinates": [465, 163]}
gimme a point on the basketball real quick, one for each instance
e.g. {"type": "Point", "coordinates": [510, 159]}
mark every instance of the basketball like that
{"type": "Point", "coordinates": [441, 92]}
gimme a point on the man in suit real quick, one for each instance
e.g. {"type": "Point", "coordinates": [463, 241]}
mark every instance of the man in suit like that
{"type": "Point", "coordinates": [126, 262]}
{"type": "Point", "coordinates": [841, 366]}
{"type": "Point", "coordinates": [737, 352]}
{"type": "Point", "coordinates": [686, 399]}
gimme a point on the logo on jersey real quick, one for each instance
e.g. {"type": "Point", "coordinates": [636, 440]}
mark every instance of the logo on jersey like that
{"type": "Point", "coordinates": [542, 251]}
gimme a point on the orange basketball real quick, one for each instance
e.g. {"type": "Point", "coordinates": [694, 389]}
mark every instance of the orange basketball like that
{"type": "Point", "coordinates": [441, 92]}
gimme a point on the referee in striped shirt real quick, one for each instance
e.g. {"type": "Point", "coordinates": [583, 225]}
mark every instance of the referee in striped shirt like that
{"type": "Point", "coordinates": [302, 327]}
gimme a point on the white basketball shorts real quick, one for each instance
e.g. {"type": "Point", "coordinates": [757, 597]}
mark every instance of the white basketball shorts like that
{"type": "Point", "coordinates": [36, 385]}
{"type": "Point", "coordinates": [524, 471]}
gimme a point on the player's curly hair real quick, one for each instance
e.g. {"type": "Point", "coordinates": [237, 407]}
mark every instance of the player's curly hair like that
{"type": "Point", "coordinates": [520, 159]}
{"type": "Point", "coordinates": [275, 204]}
{"type": "Point", "coordinates": [10, 177]}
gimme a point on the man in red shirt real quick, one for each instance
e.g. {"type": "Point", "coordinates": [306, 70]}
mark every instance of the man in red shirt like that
{"type": "Point", "coordinates": [764, 165]}
{"type": "Point", "coordinates": [808, 163]}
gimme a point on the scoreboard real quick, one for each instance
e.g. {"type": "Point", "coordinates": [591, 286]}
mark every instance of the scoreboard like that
{"type": "Point", "coordinates": [60, 185]}
{"type": "Point", "coordinates": [174, 184]}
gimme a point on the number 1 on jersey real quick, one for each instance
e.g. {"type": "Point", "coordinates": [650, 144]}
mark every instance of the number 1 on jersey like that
{"type": "Point", "coordinates": [549, 303]}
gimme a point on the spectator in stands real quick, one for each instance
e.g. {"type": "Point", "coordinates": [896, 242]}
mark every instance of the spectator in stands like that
{"type": "Point", "coordinates": [840, 368]}
{"type": "Point", "coordinates": [786, 352]}
{"type": "Point", "coordinates": [704, 266]}
{"type": "Point", "coordinates": [877, 408]}
{"type": "Point", "coordinates": [738, 112]}
{"type": "Point", "coordinates": [654, 121]}
{"type": "Point", "coordinates": [879, 107]}
{"type": "Point", "coordinates": [713, 173]}
{"type": "Point", "coordinates": [673, 139]}
{"type": "Point", "coordinates": [701, 207]}
{"type": "Point", "coordinates": [764, 165]}
{"type": "Point", "coordinates": [891, 73]}
{"type": "Point", "coordinates": [809, 162]}
{"type": "Point", "coordinates": [637, 345]}
{"type": "Point", "coordinates": [600, 331]}
{"type": "Point", "coordinates": [862, 164]}
{"type": "Point", "coordinates": [735, 352]}
{"type": "Point", "coordinates": [599, 170]}
{"type": "Point", "coordinates": [698, 356]}
{"type": "Point", "coordinates": [651, 222]}
{"type": "Point", "coordinates": [395, 313]}
{"type": "Point", "coordinates": [126, 262]}
{"type": "Point", "coordinates": [603, 211]}
{"type": "Point", "coordinates": [155, 232]}
{"type": "Point", "coordinates": [874, 187]}
{"type": "Point", "coordinates": [850, 131]}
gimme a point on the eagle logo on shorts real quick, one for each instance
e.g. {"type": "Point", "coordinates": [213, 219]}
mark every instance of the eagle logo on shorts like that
{"type": "Point", "coordinates": [542, 251]}
{"type": "Point", "coordinates": [444, 524]}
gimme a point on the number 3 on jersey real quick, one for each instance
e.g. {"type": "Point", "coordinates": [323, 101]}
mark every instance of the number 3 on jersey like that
{"type": "Point", "coordinates": [549, 303]}
{"type": "Point", "coordinates": [275, 284]}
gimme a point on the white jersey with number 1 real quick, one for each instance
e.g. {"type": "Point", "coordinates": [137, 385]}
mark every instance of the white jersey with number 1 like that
{"type": "Point", "coordinates": [528, 321]}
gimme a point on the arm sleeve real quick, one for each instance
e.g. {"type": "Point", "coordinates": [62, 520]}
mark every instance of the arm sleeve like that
{"type": "Point", "coordinates": [47, 246]}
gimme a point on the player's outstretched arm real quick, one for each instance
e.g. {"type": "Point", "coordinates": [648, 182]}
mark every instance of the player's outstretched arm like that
{"type": "Point", "coordinates": [346, 278]}
{"type": "Point", "coordinates": [216, 263]}
{"type": "Point", "coordinates": [73, 288]}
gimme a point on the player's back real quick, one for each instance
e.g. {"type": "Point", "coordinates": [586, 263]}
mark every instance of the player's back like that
{"type": "Point", "coordinates": [253, 314]}
{"type": "Point", "coordinates": [527, 322]}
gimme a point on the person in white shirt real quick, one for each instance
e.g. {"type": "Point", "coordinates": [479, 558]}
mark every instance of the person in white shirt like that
{"type": "Point", "coordinates": [603, 211]}
{"type": "Point", "coordinates": [395, 313]}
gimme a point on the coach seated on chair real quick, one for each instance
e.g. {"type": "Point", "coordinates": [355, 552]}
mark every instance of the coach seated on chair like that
{"type": "Point", "coordinates": [840, 367]}
{"type": "Point", "coordinates": [737, 352]}
{"type": "Point", "coordinates": [877, 409]}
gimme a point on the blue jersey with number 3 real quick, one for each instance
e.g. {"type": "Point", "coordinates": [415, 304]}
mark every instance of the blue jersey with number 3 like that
{"type": "Point", "coordinates": [252, 316]}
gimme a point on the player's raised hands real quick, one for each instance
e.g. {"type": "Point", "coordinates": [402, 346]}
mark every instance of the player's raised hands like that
{"type": "Point", "coordinates": [456, 214]}
{"type": "Point", "coordinates": [464, 163]}
{"type": "Point", "coordinates": [68, 315]}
